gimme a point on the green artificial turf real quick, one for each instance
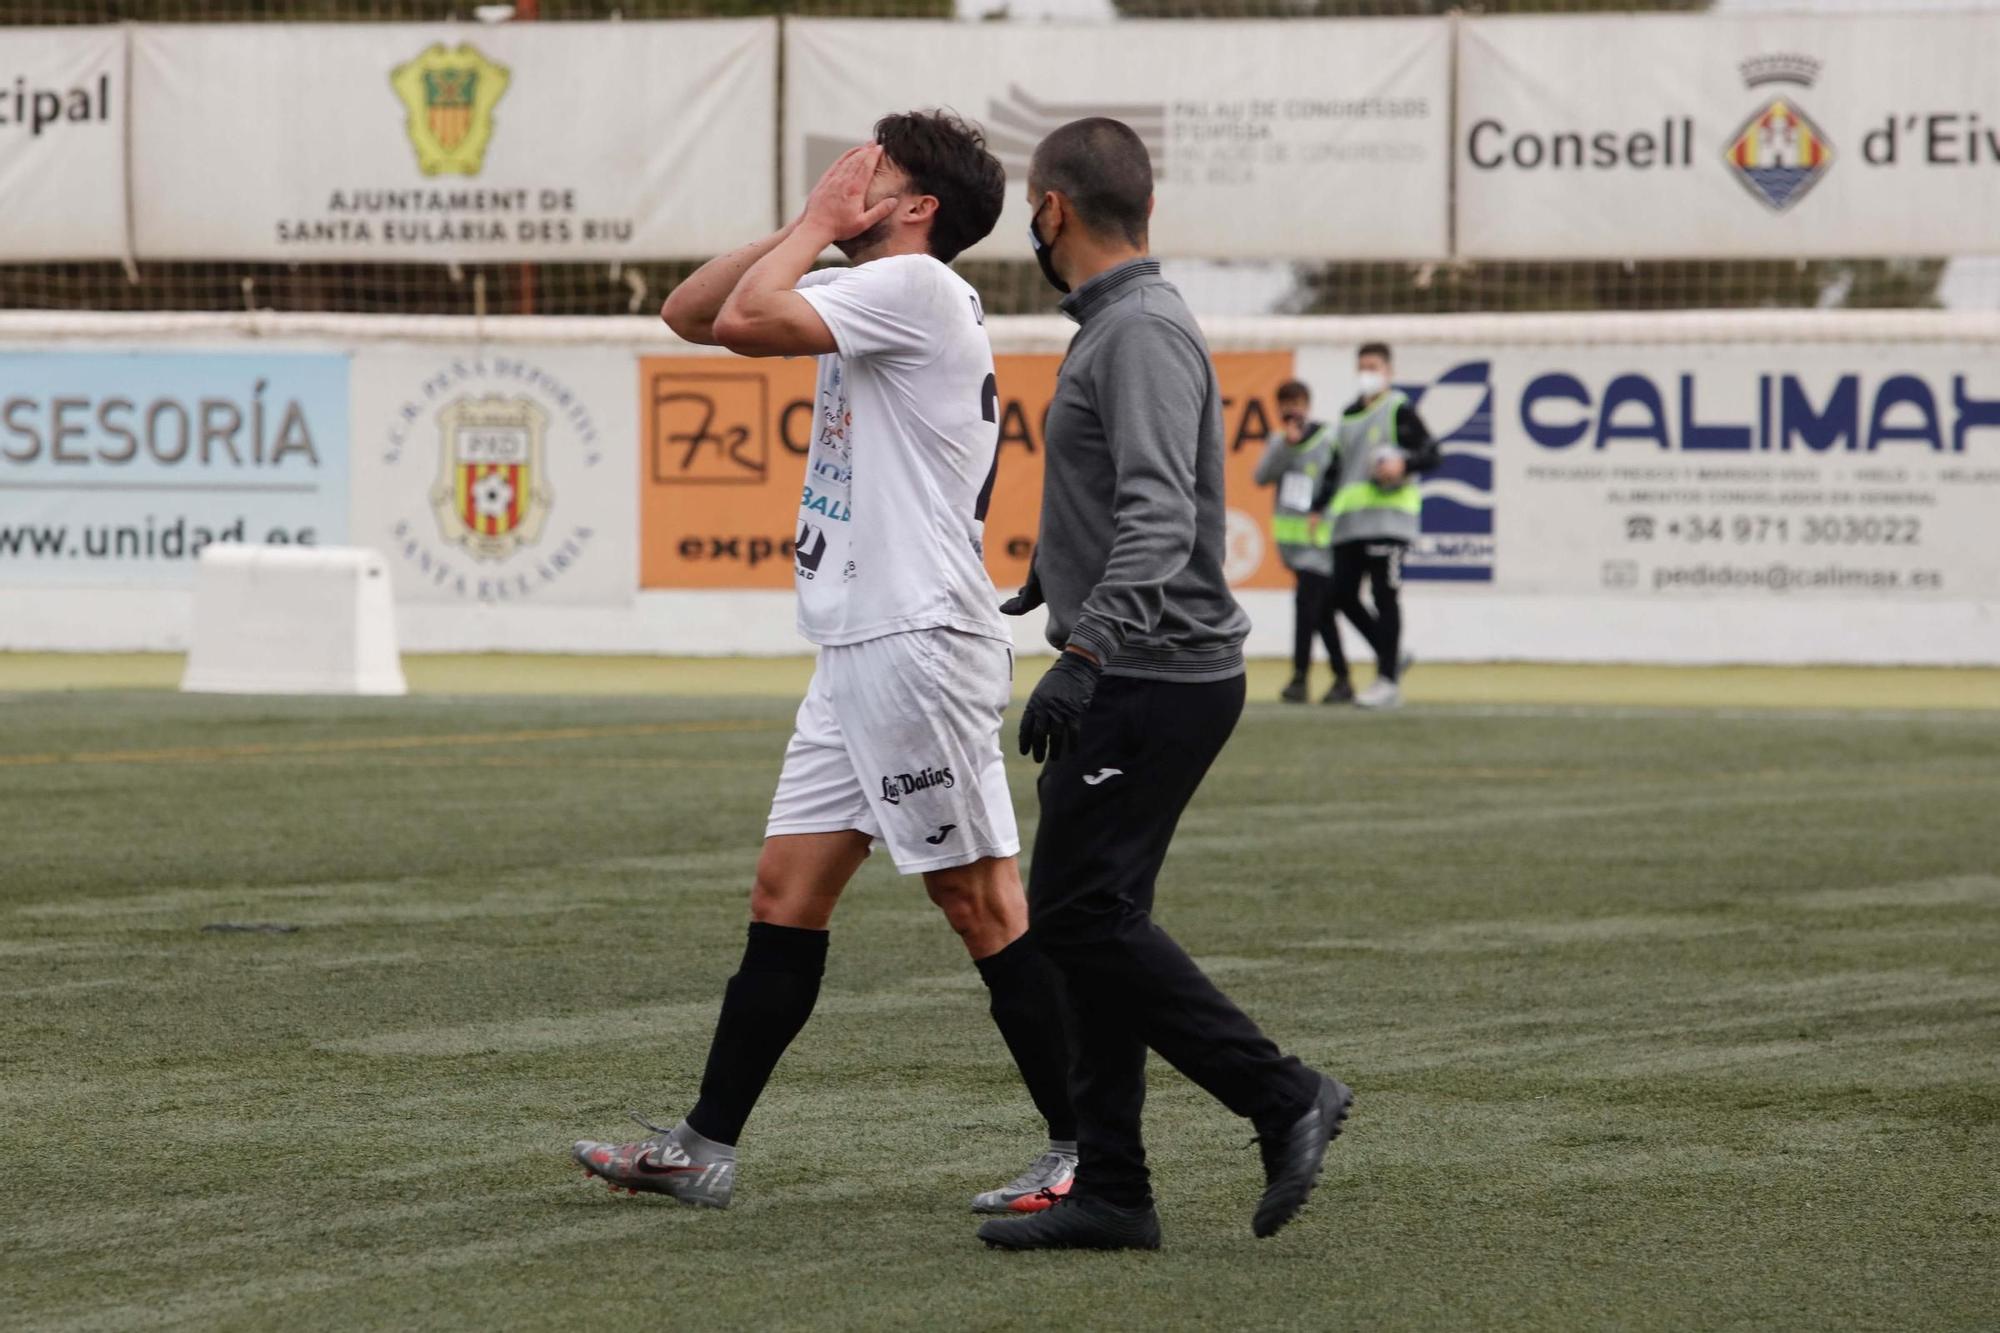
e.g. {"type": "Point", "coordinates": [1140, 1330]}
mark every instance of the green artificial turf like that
{"type": "Point", "coordinates": [1657, 1019]}
{"type": "Point", "coordinates": [1561, 685]}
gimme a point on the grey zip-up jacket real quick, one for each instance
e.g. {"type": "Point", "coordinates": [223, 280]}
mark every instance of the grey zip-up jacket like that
{"type": "Point", "coordinates": [1132, 541]}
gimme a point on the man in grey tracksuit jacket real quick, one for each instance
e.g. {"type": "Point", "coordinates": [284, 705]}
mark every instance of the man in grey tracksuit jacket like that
{"type": "Point", "coordinates": [1147, 687]}
{"type": "Point", "coordinates": [1131, 549]}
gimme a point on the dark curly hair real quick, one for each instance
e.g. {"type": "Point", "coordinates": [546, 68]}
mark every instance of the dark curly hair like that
{"type": "Point", "coordinates": [945, 156]}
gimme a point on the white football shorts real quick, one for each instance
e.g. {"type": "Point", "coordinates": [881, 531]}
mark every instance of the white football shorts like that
{"type": "Point", "coordinates": [899, 738]}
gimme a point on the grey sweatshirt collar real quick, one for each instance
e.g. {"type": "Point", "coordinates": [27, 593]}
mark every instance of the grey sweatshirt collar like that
{"type": "Point", "coordinates": [1092, 296]}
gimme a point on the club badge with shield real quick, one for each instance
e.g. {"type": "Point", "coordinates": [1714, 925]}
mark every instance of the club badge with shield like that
{"type": "Point", "coordinates": [492, 492]}
{"type": "Point", "coordinates": [449, 95]}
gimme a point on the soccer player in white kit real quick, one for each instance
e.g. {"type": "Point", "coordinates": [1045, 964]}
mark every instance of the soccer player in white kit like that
{"type": "Point", "coordinates": [898, 740]}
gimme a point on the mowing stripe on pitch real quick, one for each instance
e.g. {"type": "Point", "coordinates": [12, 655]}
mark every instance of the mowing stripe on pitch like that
{"type": "Point", "coordinates": [366, 744]}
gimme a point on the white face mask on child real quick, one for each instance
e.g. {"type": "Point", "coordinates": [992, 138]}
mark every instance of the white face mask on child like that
{"type": "Point", "coordinates": [1370, 382]}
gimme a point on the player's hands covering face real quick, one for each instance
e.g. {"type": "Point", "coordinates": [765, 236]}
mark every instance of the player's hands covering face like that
{"type": "Point", "coordinates": [838, 205]}
{"type": "Point", "coordinates": [1053, 719]}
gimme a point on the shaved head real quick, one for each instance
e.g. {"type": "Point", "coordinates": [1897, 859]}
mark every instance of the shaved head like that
{"type": "Point", "coordinates": [1102, 167]}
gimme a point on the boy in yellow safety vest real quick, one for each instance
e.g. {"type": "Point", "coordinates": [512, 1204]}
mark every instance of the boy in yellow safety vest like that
{"type": "Point", "coordinates": [1371, 495]}
{"type": "Point", "coordinates": [1299, 455]}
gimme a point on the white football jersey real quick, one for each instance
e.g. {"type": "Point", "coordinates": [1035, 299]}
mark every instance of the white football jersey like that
{"type": "Point", "coordinates": [903, 456]}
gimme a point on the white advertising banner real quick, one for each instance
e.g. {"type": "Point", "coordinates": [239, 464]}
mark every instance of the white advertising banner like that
{"type": "Point", "coordinates": [498, 475]}
{"type": "Point", "coordinates": [62, 143]}
{"type": "Point", "coordinates": [1695, 136]}
{"type": "Point", "coordinates": [1865, 470]}
{"type": "Point", "coordinates": [1299, 139]}
{"type": "Point", "coordinates": [430, 142]}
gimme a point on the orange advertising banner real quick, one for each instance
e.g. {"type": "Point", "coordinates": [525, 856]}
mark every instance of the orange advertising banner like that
{"type": "Point", "coordinates": [723, 459]}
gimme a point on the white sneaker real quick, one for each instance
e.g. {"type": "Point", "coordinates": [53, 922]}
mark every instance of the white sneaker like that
{"type": "Point", "coordinates": [1381, 694]}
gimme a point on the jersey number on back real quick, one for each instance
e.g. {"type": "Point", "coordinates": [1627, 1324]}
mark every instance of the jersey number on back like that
{"type": "Point", "coordinates": [989, 410]}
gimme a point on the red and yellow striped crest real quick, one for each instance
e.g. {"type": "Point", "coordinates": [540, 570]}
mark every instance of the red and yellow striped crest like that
{"type": "Point", "coordinates": [492, 493]}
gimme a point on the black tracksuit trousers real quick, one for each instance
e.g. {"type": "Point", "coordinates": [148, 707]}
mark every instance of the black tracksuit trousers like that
{"type": "Point", "coordinates": [1381, 565]}
{"type": "Point", "coordinates": [1108, 814]}
{"type": "Point", "coordinates": [1313, 614]}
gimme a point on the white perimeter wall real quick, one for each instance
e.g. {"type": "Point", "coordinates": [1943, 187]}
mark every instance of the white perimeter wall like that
{"type": "Point", "coordinates": [1445, 622]}
{"type": "Point", "coordinates": [1441, 624]}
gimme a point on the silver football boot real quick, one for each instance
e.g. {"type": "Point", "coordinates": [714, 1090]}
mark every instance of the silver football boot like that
{"type": "Point", "coordinates": [1047, 1179]}
{"type": "Point", "coordinates": [663, 1164]}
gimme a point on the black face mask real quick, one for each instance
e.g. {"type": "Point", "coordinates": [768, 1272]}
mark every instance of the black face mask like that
{"type": "Point", "coordinates": [1045, 256]}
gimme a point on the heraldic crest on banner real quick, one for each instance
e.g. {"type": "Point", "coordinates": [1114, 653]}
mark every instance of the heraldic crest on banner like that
{"type": "Point", "coordinates": [492, 492]}
{"type": "Point", "coordinates": [450, 96]}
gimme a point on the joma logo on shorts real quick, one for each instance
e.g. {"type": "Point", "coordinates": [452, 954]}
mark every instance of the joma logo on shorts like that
{"type": "Point", "coordinates": [909, 784]}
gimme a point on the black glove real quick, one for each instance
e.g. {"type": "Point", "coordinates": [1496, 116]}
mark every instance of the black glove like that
{"type": "Point", "coordinates": [1054, 715]}
{"type": "Point", "coordinates": [1025, 600]}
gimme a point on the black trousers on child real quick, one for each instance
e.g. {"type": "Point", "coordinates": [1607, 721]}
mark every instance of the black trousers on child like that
{"type": "Point", "coordinates": [1109, 809]}
{"type": "Point", "coordinates": [1313, 617]}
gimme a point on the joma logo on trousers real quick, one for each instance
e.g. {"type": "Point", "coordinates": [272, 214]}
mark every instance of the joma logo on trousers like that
{"type": "Point", "coordinates": [909, 784]}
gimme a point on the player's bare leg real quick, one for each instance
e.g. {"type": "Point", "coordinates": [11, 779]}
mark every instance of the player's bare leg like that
{"type": "Point", "coordinates": [800, 877]}
{"type": "Point", "coordinates": [798, 884]}
{"type": "Point", "coordinates": [984, 902]}
{"type": "Point", "coordinates": [986, 905]}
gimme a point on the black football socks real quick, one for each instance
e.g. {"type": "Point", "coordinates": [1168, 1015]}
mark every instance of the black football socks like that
{"type": "Point", "coordinates": [767, 1002]}
{"type": "Point", "coordinates": [1027, 1008]}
